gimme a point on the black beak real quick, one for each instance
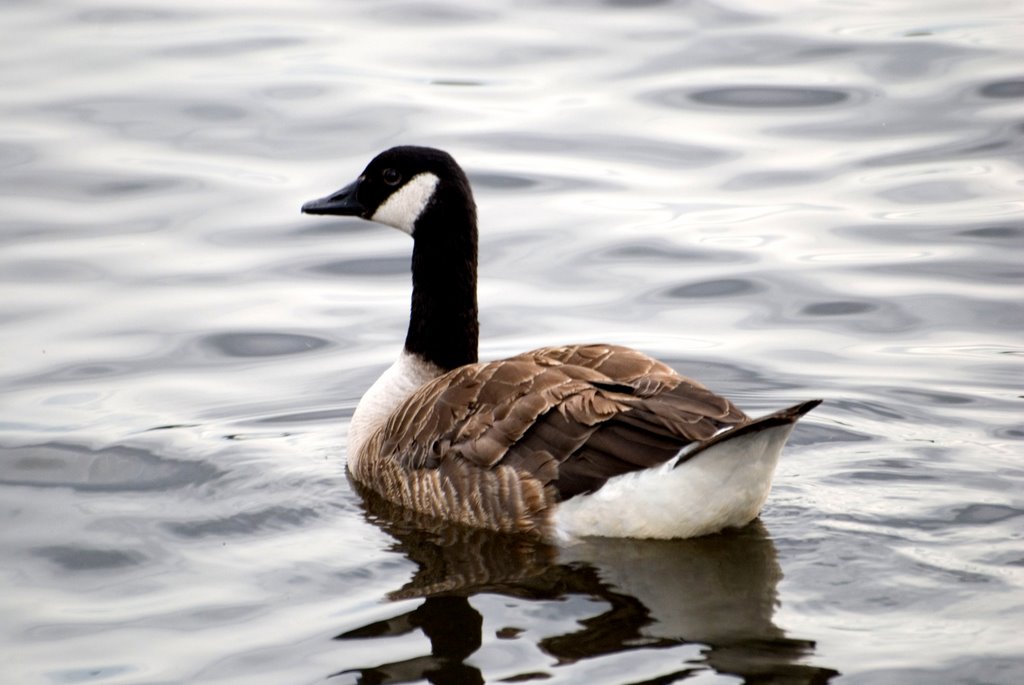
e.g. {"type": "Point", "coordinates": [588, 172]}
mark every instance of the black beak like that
{"type": "Point", "coordinates": [342, 203]}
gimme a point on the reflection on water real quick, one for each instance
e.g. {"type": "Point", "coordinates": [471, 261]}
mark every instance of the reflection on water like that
{"type": "Point", "coordinates": [717, 593]}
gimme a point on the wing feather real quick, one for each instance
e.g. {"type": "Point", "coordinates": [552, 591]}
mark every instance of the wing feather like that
{"type": "Point", "coordinates": [569, 417]}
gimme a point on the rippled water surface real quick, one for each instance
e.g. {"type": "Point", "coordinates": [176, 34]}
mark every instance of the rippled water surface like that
{"type": "Point", "coordinates": [784, 200]}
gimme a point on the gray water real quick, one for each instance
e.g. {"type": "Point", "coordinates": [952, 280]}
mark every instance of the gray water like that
{"type": "Point", "coordinates": [784, 200]}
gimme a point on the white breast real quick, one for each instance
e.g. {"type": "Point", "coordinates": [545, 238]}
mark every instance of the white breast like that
{"type": "Point", "coordinates": [403, 378]}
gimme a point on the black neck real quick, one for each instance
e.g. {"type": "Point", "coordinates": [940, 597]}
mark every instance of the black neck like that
{"type": "Point", "coordinates": [443, 326]}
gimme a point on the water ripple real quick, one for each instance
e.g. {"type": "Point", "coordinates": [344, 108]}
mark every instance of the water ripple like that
{"type": "Point", "coordinates": [262, 344]}
{"type": "Point", "coordinates": [759, 97]}
{"type": "Point", "coordinates": [723, 287]}
{"type": "Point", "coordinates": [1003, 89]}
{"type": "Point", "coordinates": [114, 469]}
{"type": "Point", "coordinates": [244, 523]}
{"type": "Point", "coordinates": [75, 558]}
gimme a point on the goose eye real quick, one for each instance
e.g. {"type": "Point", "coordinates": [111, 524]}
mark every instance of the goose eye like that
{"type": "Point", "coordinates": [391, 176]}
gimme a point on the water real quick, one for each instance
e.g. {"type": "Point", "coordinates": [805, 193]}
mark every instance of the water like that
{"type": "Point", "coordinates": [802, 200]}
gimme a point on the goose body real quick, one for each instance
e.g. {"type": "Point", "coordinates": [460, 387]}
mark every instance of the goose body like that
{"type": "Point", "coordinates": [580, 440]}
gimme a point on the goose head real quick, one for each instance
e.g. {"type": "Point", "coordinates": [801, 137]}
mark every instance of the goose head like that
{"type": "Point", "coordinates": [424, 193]}
{"type": "Point", "coordinates": [401, 185]}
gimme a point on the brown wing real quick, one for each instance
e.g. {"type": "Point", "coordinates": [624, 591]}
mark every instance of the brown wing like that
{"type": "Point", "coordinates": [570, 417]}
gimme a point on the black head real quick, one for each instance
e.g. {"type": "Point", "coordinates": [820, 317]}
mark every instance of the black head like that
{"type": "Point", "coordinates": [423, 192]}
{"type": "Point", "coordinates": [397, 186]}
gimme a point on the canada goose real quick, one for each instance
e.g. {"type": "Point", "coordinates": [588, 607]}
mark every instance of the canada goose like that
{"type": "Point", "coordinates": [581, 440]}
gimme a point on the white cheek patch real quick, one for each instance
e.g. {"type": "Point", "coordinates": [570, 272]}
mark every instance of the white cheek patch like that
{"type": "Point", "coordinates": [406, 204]}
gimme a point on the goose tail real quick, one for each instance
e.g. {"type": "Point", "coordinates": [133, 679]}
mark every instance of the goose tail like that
{"type": "Point", "coordinates": [720, 483]}
{"type": "Point", "coordinates": [782, 418]}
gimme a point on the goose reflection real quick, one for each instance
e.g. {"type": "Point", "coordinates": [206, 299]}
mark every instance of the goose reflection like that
{"type": "Point", "coordinates": [717, 592]}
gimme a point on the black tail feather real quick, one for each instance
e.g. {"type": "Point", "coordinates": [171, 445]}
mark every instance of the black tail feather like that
{"type": "Point", "coordinates": [782, 417]}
